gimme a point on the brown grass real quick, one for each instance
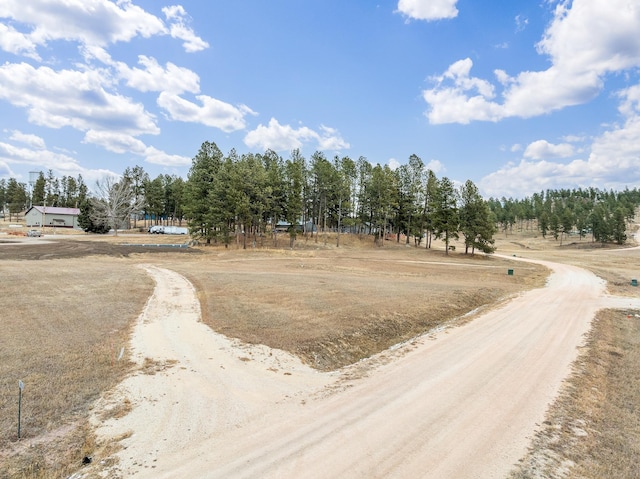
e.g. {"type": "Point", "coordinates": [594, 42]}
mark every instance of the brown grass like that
{"type": "Point", "coordinates": [335, 307]}
{"type": "Point", "coordinates": [66, 318]}
{"type": "Point", "coordinates": [63, 325]}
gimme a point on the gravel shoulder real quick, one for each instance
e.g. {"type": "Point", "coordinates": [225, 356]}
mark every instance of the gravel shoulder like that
{"type": "Point", "coordinates": [464, 402]}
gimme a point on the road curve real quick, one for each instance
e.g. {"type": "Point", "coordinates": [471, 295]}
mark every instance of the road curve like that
{"type": "Point", "coordinates": [462, 405]}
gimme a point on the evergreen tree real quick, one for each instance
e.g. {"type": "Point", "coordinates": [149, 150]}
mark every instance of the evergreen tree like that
{"type": "Point", "coordinates": [566, 223]}
{"type": "Point", "coordinates": [39, 191]}
{"type": "Point", "coordinates": [543, 223]}
{"type": "Point", "coordinates": [154, 198]}
{"type": "Point", "coordinates": [200, 181]}
{"type": "Point", "coordinates": [294, 178]}
{"type": "Point", "coordinates": [555, 225]}
{"type": "Point", "coordinates": [137, 177]}
{"type": "Point", "coordinates": [52, 190]}
{"type": "Point", "coordinates": [86, 221]}
{"type": "Point", "coordinates": [16, 197]}
{"type": "Point", "coordinates": [619, 225]}
{"type": "Point", "coordinates": [274, 190]}
{"type": "Point", "coordinates": [430, 194]}
{"type": "Point", "coordinates": [174, 198]}
{"type": "Point", "coordinates": [600, 226]}
{"type": "Point", "coordinates": [409, 180]}
{"type": "Point", "coordinates": [475, 220]}
{"type": "Point", "coordinates": [223, 202]}
{"type": "Point", "coordinates": [446, 219]}
{"type": "Point", "coordinates": [363, 210]}
{"type": "Point", "coordinates": [382, 195]}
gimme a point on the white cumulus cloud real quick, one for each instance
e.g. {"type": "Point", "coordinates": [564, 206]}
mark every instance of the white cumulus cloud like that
{"type": "Point", "coordinates": [436, 166]}
{"type": "Point", "coordinates": [158, 157]}
{"type": "Point", "coordinates": [115, 141]}
{"type": "Point", "coordinates": [91, 22]}
{"type": "Point", "coordinates": [211, 111]}
{"type": "Point", "coordinates": [542, 149]}
{"type": "Point", "coordinates": [279, 137]}
{"type": "Point", "coordinates": [330, 139]}
{"type": "Point", "coordinates": [582, 47]}
{"type": "Point", "coordinates": [612, 162]}
{"type": "Point", "coordinates": [72, 98]}
{"type": "Point", "coordinates": [178, 18]}
{"type": "Point", "coordinates": [39, 158]}
{"type": "Point", "coordinates": [29, 139]}
{"type": "Point", "coordinates": [88, 22]}
{"type": "Point", "coordinates": [428, 9]}
{"type": "Point", "coordinates": [151, 77]}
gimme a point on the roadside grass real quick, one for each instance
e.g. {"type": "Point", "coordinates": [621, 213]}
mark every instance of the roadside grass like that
{"type": "Point", "coordinates": [63, 326]}
{"type": "Point", "coordinates": [592, 430]}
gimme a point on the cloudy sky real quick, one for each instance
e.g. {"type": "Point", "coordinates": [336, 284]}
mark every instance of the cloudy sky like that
{"type": "Point", "coordinates": [516, 96]}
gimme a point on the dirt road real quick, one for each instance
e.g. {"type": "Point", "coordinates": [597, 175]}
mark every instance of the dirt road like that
{"type": "Point", "coordinates": [460, 404]}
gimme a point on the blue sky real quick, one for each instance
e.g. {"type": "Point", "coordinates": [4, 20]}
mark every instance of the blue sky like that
{"type": "Point", "coordinates": [516, 96]}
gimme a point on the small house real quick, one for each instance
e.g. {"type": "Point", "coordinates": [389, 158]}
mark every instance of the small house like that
{"type": "Point", "coordinates": [52, 216]}
{"type": "Point", "coordinates": [283, 226]}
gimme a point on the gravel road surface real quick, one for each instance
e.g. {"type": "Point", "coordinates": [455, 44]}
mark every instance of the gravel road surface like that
{"type": "Point", "coordinates": [461, 403]}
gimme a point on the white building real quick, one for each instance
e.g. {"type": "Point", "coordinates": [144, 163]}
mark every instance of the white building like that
{"type": "Point", "coordinates": [51, 216]}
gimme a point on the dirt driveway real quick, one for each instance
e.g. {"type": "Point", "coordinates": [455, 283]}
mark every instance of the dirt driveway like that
{"type": "Point", "coordinates": [463, 403]}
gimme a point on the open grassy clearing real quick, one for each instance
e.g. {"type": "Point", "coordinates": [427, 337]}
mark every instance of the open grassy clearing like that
{"type": "Point", "coordinates": [69, 317]}
{"type": "Point", "coordinates": [63, 324]}
{"type": "Point", "coordinates": [335, 307]}
{"type": "Point", "coordinates": [330, 306]}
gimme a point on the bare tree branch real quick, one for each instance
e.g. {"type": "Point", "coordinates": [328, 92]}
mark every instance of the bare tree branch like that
{"type": "Point", "coordinates": [114, 202]}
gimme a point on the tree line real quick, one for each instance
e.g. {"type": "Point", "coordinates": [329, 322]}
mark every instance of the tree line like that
{"type": "Point", "coordinates": [47, 190]}
{"type": "Point", "coordinates": [602, 215]}
{"type": "Point", "coordinates": [253, 196]}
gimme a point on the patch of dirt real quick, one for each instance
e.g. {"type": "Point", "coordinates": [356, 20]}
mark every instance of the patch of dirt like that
{"type": "Point", "coordinates": [66, 248]}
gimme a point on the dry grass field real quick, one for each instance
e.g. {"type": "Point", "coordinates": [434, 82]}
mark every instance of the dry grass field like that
{"type": "Point", "coordinates": [70, 302]}
{"type": "Point", "coordinates": [63, 322]}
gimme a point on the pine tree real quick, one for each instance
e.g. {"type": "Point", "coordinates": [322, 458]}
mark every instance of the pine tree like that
{"type": "Point", "coordinates": [86, 222]}
{"type": "Point", "coordinates": [200, 181]}
{"type": "Point", "coordinates": [476, 223]}
{"type": "Point", "coordinates": [446, 218]}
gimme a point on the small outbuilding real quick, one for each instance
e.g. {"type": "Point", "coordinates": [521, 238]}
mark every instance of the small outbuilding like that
{"type": "Point", "coordinates": [52, 216]}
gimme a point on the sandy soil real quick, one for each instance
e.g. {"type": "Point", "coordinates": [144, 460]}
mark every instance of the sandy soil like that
{"type": "Point", "coordinates": [462, 403]}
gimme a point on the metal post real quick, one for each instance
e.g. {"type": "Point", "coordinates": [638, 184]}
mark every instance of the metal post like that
{"type": "Point", "coordinates": [20, 387]}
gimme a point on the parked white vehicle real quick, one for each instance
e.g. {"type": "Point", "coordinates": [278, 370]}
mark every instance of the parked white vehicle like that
{"type": "Point", "coordinates": [175, 230]}
{"type": "Point", "coordinates": [169, 230]}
